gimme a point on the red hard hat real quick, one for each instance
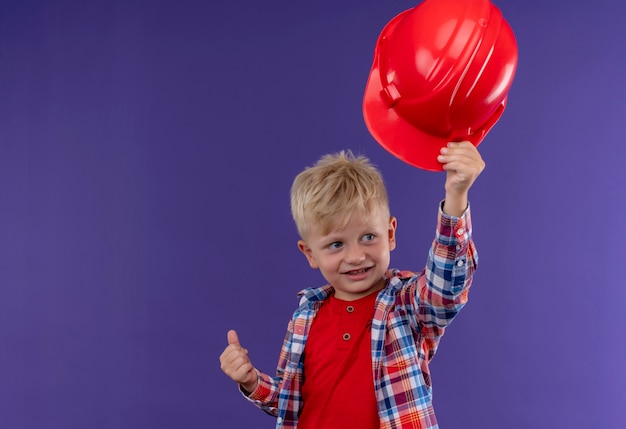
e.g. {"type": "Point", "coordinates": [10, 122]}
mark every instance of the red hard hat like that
{"type": "Point", "coordinates": [442, 71]}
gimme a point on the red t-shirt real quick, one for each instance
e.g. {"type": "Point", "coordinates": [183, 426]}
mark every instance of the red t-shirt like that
{"type": "Point", "coordinates": [338, 389]}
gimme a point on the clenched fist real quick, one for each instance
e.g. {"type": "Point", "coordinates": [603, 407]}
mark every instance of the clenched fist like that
{"type": "Point", "coordinates": [236, 364]}
{"type": "Point", "coordinates": [463, 165]}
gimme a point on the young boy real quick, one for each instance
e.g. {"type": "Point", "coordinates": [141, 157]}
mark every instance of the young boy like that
{"type": "Point", "coordinates": [356, 352]}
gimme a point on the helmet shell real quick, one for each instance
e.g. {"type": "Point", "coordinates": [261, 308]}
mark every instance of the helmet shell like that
{"type": "Point", "coordinates": [441, 72]}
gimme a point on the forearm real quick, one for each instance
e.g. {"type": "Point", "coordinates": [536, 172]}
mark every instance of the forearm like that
{"type": "Point", "coordinates": [265, 393]}
{"type": "Point", "coordinates": [455, 203]}
{"type": "Point", "coordinates": [448, 274]}
{"type": "Point", "coordinates": [267, 389]}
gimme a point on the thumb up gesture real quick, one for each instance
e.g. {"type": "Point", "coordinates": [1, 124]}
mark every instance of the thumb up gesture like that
{"type": "Point", "coordinates": [236, 364]}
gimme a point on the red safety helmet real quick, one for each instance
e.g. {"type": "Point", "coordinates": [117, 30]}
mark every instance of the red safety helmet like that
{"type": "Point", "coordinates": [442, 71]}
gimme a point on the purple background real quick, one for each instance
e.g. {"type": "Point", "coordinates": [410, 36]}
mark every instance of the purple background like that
{"type": "Point", "coordinates": [146, 154]}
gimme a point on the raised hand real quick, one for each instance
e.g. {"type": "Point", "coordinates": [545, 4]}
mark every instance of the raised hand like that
{"type": "Point", "coordinates": [236, 364]}
{"type": "Point", "coordinates": [463, 164]}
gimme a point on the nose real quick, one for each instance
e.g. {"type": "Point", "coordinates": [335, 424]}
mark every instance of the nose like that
{"type": "Point", "coordinates": [354, 255]}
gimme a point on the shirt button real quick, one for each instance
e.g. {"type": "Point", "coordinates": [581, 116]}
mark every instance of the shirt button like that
{"type": "Point", "coordinates": [279, 420]}
{"type": "Point", "coordinates": [460, 263]}
{"type": "Point", "coordinates": [346, 336]}
{"type": "Point", "coordinates": [461, 231]}
{"type": "Point", "coordinates": [350, 309]}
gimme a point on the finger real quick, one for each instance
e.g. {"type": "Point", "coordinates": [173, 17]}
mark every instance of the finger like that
{"type": "Point", "coordinates": [244, 374]}
{"type": "Point", "coordinates": [463, 167]}
{"type": "Point", "coordinates": [232, 359]}
{"type": "Point", "coordinates": [465, 150]}
{"type": "Point", "coordinates": [463, 146]}
{"type": "Point", "coordinates": [239, 369]}
{"type": "Point", "coordinates": [467, 155]}
{"type": "Point", "coordinates": [457, 166]}
{"type": "Point", "coordinates": [230, 353]}
{"type": "Point", "coordinates": [458, 159]}
{"type": "Point", "coordinates": [464, 143]}
{"type": "Point", "coordinates": [233, 338]}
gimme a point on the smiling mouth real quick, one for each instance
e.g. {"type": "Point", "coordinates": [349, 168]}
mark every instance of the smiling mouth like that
{"type": "Point", "coordinates": [357, 272]}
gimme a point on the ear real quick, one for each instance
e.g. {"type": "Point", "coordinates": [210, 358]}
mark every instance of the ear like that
{"type": "Point", "coordinates": [308, 253]}
{"type": "Point", "coordinates": [391, 231]}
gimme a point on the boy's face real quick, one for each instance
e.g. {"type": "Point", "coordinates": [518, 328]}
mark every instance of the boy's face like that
{"type": "Point", "coordinates": [353, 259]}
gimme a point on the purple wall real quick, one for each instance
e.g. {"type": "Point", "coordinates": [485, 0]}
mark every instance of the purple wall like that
{"type": "Point", "coordinates": [146, 153]}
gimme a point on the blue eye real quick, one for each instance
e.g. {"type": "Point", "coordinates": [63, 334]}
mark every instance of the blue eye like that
{"type": "Point", "coordinates": [335, 245]}
{"type": "Point", "coordinates": [369, 237]}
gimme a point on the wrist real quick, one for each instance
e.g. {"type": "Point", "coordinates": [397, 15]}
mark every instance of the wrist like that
{"type": "Point", "coordinates": [248, 389]}
{"type": "Point", "coordinates": [250, 386]}
{"type": "Point", "coordinates": [455, 204]}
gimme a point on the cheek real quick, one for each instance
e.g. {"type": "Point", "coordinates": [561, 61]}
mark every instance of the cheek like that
{"type": "Point", "coordinates": [327, 262]}
{"type": "Point", "coordinates": [384, 251]}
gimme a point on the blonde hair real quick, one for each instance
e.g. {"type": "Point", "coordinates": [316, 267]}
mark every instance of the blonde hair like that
{"type": "Point", "coordinates": [326, 194]}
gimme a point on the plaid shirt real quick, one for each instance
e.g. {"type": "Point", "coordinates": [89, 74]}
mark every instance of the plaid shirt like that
{"type": "Point", "coordinates": [410, 316]}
